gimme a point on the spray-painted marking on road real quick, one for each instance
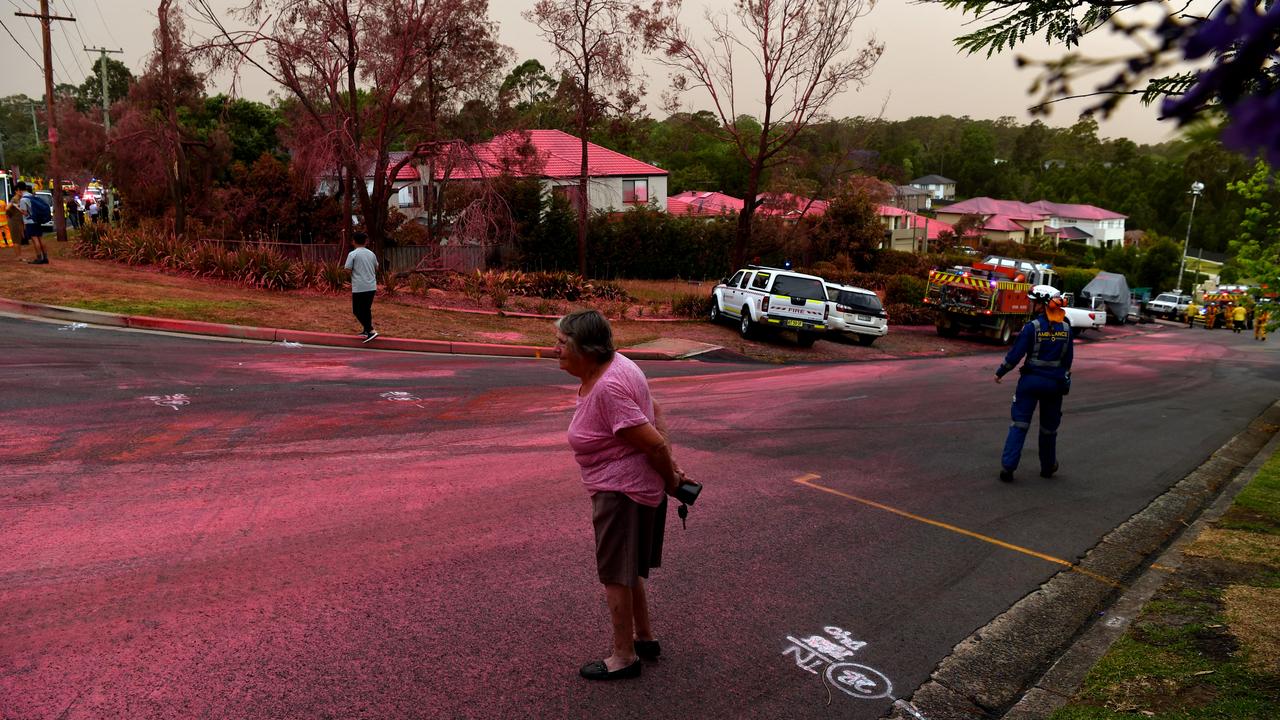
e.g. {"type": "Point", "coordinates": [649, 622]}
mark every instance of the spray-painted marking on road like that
{"type": "Point", "coordinates": [807, 481]}
{"type": "Point", "coordinates": [74, 326]}
{"type": "Point", "coordinates": [173, 401]}
{"type": "Point", "coordinates": [827, 656]}
{"type": "Point", "coordinates": [400, 396]}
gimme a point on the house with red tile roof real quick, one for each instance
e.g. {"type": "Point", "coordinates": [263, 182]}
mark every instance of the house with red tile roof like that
{"type": "Point", "coordinates": [1022, 222]}
{"type": "Point", "coordinates": [789, 206]}
{"type": "Point", "coordinates": [698, 203]}
{"type": "Point", "coordinates": [908, 231]}
{"type": "Point", "coordinates": [615, 181]}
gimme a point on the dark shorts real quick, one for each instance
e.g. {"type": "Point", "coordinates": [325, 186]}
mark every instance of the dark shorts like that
{"type": "Point", "coordinates": [32, 230]}
{"type": "Point", "coordinates": [628, 537]}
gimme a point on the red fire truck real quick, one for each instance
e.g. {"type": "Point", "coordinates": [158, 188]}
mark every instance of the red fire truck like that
{"type": "Point", "coordinates": [989, 298]}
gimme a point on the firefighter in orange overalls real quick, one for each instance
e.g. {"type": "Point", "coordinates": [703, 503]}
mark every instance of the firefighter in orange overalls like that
{"type": "Point", "coordinates": [1260, 318]}
{"type": "Point", "coordinates": [1210, 315]}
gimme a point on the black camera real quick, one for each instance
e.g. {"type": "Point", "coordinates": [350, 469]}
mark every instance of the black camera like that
{"type": "Point", "coordinates": [687, 492]}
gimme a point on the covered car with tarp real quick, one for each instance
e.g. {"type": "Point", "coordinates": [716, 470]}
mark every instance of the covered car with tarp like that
{"type": "Point", "coordinates": [1113, 290]}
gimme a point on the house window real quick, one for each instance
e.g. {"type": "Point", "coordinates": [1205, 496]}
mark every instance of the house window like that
{"type": "Point", "coordinates": [635, 192]}
{"type": "Point", "coordinates": [410, 196]}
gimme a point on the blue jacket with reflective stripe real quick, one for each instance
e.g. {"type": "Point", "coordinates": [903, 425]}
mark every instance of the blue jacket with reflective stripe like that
{"type": "Point", "coordinates": [1046, 345]}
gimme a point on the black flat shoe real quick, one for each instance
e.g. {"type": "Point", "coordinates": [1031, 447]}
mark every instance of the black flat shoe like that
{"type": "Point", "coordinates": [597, 670]}
{"type": "Point", "coordinates": [1006, 476]}
{"type": "Point", "coordinates": [1049, 473]}
{"type": "Point", "coordinates": [648, 649]}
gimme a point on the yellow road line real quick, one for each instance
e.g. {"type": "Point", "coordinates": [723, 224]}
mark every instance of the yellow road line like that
{"type": "Point", "coordinates": [807, 481]}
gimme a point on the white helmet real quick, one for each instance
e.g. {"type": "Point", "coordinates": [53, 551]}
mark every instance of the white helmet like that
{"type": "Point", "coordinates": [1044, 293]}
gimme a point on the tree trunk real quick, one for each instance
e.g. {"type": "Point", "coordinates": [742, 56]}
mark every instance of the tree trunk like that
{"type": "Point", "coordinates": [742, 237]}
{"type": "Point", "coordinates": [582, 210]}
{"type": "Point", "coordinates": [344, 181]}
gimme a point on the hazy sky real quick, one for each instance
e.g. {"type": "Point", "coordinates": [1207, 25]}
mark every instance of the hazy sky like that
{"type": "Point", "coordinates": [921, 72]}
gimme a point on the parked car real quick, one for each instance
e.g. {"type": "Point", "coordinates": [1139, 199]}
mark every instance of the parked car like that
{"type": "Point", "coordinates": [856, 312]}
{"type": "Point", "coordinates": [772, 298]}
{"type": "Point", "coordinates": [48, 197]}
{"type": "Point", "coordinates": [1170, 306]}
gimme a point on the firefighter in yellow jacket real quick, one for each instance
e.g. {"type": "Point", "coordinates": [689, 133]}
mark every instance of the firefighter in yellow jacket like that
{"type": "Point", "coordinates": [1260, 319]}
{"type": "Point", "coordinates": [1238, 316]}
{"type": "Point", "coordinates": [1192, 311]}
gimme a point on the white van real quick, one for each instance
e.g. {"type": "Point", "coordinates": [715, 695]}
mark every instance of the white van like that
{"type": "Point", "coordinates": [856, 312]}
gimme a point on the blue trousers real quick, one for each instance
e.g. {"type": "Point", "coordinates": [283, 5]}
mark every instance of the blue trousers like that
{"type": "Point", "coordinates": [1034, 390]}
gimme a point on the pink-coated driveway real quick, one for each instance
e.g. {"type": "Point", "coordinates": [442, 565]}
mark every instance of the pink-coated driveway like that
{"type": "Point", "coordinates": [197, 529]}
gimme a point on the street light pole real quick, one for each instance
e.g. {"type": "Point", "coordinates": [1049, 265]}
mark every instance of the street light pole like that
{"type": "Point", "coordinates": [1197, 187]}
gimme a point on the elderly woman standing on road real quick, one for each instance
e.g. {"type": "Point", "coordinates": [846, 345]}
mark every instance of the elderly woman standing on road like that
{"type": "Point", "coordinates": [619, 440]}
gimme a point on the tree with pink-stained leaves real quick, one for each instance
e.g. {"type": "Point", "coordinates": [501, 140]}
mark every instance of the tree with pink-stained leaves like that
{"type": "Point", "coordinates": [804, 54]}
{"type": "Point", "coordinates": [367, 76]}
{"type": "Point", "coordinates": [595, 42]}
{"type": "Point", "coordinates": [149, 146]}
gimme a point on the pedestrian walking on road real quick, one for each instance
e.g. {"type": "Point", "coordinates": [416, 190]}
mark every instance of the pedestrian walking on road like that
{"type": "Point", "coordinates": [1238, 315]}
{"type": "Point", "coordinates": [1045, 378]}
{"type": "Point", "coordinates": [620, 442]}
{"type": "Point", "coordinates": [363, 265]}
{"type": "Point", "coordinates": [34, 215]}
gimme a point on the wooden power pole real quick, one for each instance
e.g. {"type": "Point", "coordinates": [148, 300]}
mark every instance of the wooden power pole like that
{"type": "Point", "coordinates": [59, 212]}
{"type": "Point", "coordinates": [107, 195]}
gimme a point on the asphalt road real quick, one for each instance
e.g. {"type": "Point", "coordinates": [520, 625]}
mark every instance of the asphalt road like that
{"type": "Point", "coordinates": [193, 529]}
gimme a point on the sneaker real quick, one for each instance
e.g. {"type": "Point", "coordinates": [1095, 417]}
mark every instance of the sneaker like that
{"type": "Point", "coordinates": [369, 336]}
{"type": "Point", "coordinates": [1006, 475]}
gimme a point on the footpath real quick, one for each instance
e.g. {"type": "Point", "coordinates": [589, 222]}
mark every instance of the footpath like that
{"type": "Point", "coordinates": [1190, 629]}
{"type": "Point", "coordinates": [1199, 637]}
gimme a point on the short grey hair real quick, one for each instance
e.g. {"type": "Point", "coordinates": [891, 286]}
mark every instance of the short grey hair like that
{"type": "Point", "coordinates": [589, 333]}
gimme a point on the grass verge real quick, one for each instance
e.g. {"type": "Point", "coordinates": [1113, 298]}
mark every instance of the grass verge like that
{"type": "Point", "coordinates": [1208, 644]}
{"type": "Point", "coordinates": [113, 287]}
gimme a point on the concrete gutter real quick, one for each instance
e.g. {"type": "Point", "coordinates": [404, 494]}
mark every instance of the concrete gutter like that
{"type": "Point", "coordinates": [241, 332]}
{"type": "Point", "coordinates": [990, 671]}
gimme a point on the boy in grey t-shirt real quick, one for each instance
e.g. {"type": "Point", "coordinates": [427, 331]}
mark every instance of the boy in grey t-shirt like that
{"type": "Point", "coordinates": [363, 265]}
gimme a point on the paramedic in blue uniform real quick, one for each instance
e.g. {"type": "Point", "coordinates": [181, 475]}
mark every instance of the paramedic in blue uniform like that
{"type": "Point", "coordinates": [1045, 342]}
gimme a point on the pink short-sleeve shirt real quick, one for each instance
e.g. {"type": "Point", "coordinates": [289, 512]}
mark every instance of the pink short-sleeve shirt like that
{"type": "Point", "coordinates": [620, 399]}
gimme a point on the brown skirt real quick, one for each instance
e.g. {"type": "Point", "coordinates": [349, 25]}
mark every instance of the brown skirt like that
{"type": "Point", "coordinates": [628, 537]}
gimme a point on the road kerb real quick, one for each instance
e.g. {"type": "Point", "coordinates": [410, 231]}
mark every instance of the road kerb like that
{"type": "Point", "coordinates": [305, 337]}
{"type": "Point", "coordinates": [993, 668]}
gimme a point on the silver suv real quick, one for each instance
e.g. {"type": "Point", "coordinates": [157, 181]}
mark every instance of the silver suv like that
{"type": "Point", "coordinates": [765, 297]}
{"type": "Point", "coordinates": [856, 312]}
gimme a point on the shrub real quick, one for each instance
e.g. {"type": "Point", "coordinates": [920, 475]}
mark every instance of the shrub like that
{"type": "Point", "coordinates": [902, 314]}
{"type": "Point", "coordinates": [905, 289]}
{"type": "Point", "coordinates": [1073, 279]}
{"type": "Point", "coordinates": [332, 277]}
{"type": "Point", "coordinates": [691, 305]}
{"type": "Point", "coordinates": [388, 282]}
{"type": "Point", "coordinates": [557, 285]}
{"type": "Point", "coordinates": [606, 290]}
{"type": "Point", "coordinates": [418, 284]}
{"type": "Point", "coordinates": [897, 262]}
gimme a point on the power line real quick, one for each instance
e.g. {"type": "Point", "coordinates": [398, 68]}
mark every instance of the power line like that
{"type": "Point", "coordinates": [20, 47]}
{"type": "Point", "coordinates": [75, 56]}
{"type": "Point", "coordinates": [105, 26]}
